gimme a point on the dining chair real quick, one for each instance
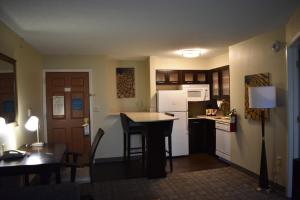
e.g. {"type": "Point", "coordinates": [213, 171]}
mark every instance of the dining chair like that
{"type": "Point", "coordinates": [73, 164]}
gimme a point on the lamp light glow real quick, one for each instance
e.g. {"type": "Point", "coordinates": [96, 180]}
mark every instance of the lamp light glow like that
{"type": "Point", "coordinates": [2, 123]}
{"type": "Point", "coordinates": [262, 97]}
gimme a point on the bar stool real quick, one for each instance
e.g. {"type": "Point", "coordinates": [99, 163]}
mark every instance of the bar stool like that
{"type": "Point", "coordinates": [130, 128]}
{"type": "Point", "coordinates": [168, 135]}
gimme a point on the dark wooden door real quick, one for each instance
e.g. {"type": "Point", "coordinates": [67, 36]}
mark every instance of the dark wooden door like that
{"type": "Point", "coordinates": [67, 99]}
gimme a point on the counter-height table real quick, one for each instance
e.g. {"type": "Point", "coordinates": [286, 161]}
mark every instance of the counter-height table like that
{"type": "Point", "coordinates": [156, 125]}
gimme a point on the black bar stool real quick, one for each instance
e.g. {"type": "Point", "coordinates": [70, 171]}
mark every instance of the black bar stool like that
{"type": "Point", "coordinates": [130, 128]}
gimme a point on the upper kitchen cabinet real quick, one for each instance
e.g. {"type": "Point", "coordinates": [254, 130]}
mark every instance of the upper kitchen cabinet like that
{"type": "Point", "coordinates": [220, 83]}
{"type": "Point", "coordinates": [168, 77]}
{"type": "Point", "coordinates": [194, 76]}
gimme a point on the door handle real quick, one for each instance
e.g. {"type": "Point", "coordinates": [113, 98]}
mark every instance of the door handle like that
{"type": "Point", "coordinates": [85, 122]}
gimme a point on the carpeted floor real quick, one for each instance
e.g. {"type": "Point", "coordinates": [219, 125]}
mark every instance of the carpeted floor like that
{"type": "Point", "coordinates": [223, 183]}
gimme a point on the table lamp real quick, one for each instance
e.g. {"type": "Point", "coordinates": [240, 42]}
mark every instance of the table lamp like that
{"type": "Point", "coordinates": [262, 98]}
{"type": "Point", "coordinates": [32, 125]}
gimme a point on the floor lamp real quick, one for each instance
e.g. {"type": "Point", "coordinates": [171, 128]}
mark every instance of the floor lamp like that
{"type": "Point", "coordinates": [262, 98]}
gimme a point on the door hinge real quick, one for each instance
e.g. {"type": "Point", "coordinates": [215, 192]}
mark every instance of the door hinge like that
{"type": "Point", "coordinates": [298, 64]}
{"type": "Point", "coordinates": [298, 119]}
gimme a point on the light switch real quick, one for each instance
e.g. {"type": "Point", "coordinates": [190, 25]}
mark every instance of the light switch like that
{"type": "Point", "coordinates": [29, 112]}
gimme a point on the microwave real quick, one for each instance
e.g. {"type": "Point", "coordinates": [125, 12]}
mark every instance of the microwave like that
{"type": "Point", "coordinates": [197, 92]}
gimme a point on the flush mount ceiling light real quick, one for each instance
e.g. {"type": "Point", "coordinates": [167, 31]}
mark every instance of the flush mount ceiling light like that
{"type": "Point", "coordinates": [190, 53]}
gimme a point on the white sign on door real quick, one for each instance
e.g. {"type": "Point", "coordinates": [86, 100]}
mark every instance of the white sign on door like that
{"type": "Point", "coordinates": [58, 105]}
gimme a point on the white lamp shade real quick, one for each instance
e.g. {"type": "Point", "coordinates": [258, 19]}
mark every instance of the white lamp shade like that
{"type": "Point", "coordinates": [262, 97]}
{"type": "Point", "coordinates": [32, 124]}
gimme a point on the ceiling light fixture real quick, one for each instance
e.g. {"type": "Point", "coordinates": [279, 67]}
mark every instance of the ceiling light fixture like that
{"type": "Point", "coordinates": [190, 53]}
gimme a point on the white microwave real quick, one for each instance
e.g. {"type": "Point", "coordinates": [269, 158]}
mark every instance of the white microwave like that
{"type": "Point", "coordinates": [197, 92]}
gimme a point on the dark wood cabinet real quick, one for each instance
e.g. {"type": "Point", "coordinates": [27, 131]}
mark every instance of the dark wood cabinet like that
{"type": "Point", "coordinates": [168, 77]}
{"type": "Point", "coordinates": [202, 137]}
{"type": "Point", "coordinates": [194, 76]}
{"type": "Point", "coordinates": [220, 83]}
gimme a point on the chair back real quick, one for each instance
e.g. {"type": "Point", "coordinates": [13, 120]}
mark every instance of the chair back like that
{"type": "Point", "coordinates": [169, 129]}
{"type": "Point", "coordinates": [96, 141]}
{"type": "Point", "coordinates": [125, 122]}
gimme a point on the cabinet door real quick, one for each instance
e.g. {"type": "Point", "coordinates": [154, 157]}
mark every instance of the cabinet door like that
{"type": "Point", "coordinates": [225, 82]}
{"type": "Point", "coordinates": [215, 84]}
{"type": "Point", "coordinates": [174, 77]}
{"type": "Point", "coordinates": [161, 77]}
{"type": "Point", "coordinates": [202, 136]}
{"type": "Point", "coordinates": [200, 77]}
{"type": "Point", "coordinates": [188, 77]}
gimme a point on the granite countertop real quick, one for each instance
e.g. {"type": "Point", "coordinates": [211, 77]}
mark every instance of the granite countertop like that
{"type": "Point", "coordinates": [215, 118]}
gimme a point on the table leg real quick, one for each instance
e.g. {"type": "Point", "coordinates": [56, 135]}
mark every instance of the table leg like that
{"type": "Point", "coordinates": [26, 179]}
{"type": "Point", "coordinates": [57, 176]}
{"type": "Point", "coordinates": [156, 155]}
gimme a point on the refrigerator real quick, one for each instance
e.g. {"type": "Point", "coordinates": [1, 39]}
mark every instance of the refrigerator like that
{"type": "Point", "coordinates": [175, 102]}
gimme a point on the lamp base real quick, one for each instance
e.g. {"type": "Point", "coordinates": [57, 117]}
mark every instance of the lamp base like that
{"type": "Point", "coordinates": [38, 144]}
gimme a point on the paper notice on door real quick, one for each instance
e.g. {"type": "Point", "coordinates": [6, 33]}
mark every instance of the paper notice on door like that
{"type": "Point", "coordinates": [58, 105]}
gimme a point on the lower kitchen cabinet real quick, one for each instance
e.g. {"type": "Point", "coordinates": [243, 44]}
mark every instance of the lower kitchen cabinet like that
{"type": "Point", "coordinates": [202, 137]}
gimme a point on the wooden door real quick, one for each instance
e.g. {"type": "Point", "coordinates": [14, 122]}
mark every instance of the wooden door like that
{"type": "Point", "coordinates": [67, 99]}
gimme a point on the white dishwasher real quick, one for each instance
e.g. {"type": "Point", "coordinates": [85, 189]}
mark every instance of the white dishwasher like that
{"type": "Point", "coordinates": [223, 140]}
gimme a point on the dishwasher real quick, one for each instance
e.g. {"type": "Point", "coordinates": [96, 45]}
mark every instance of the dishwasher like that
{"type": "Point", "coordinates": [223, 140]}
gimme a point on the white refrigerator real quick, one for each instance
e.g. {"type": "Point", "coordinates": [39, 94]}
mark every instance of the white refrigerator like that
{"type": "Point", "coordinates": [175, 102]}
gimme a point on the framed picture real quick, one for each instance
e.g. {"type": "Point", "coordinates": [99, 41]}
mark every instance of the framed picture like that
{"type": "Point", "coordinates": [125, 82]}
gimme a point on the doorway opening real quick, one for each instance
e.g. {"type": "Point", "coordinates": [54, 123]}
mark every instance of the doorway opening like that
{"type": "Point", "coordinates": [293, 78]}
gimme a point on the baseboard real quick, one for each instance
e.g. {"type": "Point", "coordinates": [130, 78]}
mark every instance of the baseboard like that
{"type": "Point", "coordinates": [274, 186]}
{"type": "Point", "coordinates": [120, 159]}
{"type": "Point", "coordinates": [108, 160]}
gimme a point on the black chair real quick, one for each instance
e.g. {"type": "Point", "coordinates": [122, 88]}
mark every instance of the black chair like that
{"type": "Point", "coordinates": [74, 164]}
{"type": "Point", "coordinates": [130, 128]}
{"type": "Point", "coordinates": [168, 135]}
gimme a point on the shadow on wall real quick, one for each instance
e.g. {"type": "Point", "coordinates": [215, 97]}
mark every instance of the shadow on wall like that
{"type": "Point", "coordinates": [239, 134]}
{"type": "Point", "coordinates": [112, 142]}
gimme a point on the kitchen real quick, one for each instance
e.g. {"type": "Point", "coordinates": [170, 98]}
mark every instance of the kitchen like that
{"type": "Point", "coordinates": [200, 101]}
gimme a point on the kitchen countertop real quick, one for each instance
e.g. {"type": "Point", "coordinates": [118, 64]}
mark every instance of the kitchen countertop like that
{"type": "Point", "coordinates": [215, 118]}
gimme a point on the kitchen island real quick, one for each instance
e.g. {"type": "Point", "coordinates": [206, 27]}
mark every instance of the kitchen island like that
{"type": "Point", "coordinates": [156, 125]}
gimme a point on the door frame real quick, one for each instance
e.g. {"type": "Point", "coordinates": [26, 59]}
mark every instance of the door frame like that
{"type": "Point", "coordinates": [91, 94]}
{"type": "Point", "coordinates": [293, 81]}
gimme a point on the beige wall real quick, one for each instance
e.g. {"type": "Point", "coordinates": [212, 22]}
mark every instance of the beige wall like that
{"type": "Point", "coordinates": [105, 100]}
{"type": "Point", "coordinates": [251, 57]}
{"type": "Point", "coordinates": [29, 85]}
{"type": "Point", "coordinates": [218, 61]}
{"type": "Point", "coordinates": [293, 27]}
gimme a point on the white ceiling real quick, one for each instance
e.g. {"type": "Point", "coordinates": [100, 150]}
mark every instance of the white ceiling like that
{"type": "Point", "coordinates": [138, 28]}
